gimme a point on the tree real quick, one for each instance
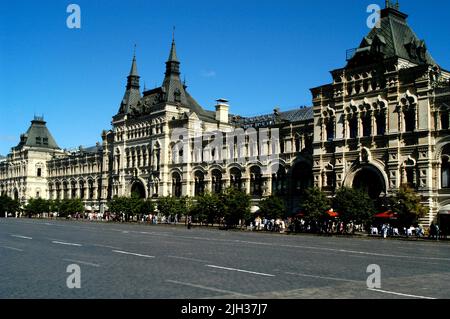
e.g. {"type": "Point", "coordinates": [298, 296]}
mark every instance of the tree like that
{"type": "Point", "coordinates": [236, 206]}
{"type": "Point", "coordinates": [168, 206]}
{"type": "Point", "coordinates": [207, 208]}
{"type": "Point", "coordinates": [37, 206]}
{"type": "Point", "coordinates": [314, 204]}
{"type": "Point", "coordinates": [353, 205]}
{"type": "Point", "coordinates": [273, 207]}
{"type": "Point", "coordinates": [407, 204]}
{"type": "Point", "coordinates": [8, 205]}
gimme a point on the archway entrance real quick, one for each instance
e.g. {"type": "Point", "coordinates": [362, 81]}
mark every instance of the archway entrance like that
{"type": "Point", "coordinates": [138, 190]}
{"type": "Point", "coordinates": [370, 181]}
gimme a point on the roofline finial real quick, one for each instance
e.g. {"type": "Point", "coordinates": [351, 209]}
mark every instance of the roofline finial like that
{"type": "Point", "coordinates": [134, 51]}
{"type": "Point", "coordinates": [173, 34]}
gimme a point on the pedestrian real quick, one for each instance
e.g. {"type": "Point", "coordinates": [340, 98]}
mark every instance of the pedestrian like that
{"type": "Point", "coordinates": [189, 222]}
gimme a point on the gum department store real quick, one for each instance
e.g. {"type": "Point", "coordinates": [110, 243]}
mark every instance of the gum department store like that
{"type": "Point", "coordinates": [382, 122]}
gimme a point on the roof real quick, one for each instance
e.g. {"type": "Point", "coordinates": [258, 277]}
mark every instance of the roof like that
{"type": "Point", "coordinates": [394, 38]}
{"type": "Point", "coordinates": [296, 115]}
{"type": "Point", "coordinates": [37, 135]}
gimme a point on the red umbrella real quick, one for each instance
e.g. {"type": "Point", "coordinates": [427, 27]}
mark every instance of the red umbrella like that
{"type": "Point", "coordinates": [300, 214]}
{"type": "Point", "coordinates": [332, 213]}
{"type": "Point", "coordinates": [387, 215]}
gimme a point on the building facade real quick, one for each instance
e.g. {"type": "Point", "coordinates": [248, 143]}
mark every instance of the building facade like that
{"type": "Point", "coordinates": [381, 123]}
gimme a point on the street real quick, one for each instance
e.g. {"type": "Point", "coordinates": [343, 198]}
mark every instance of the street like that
{"type": "Point", "coordinates": [164, 261]}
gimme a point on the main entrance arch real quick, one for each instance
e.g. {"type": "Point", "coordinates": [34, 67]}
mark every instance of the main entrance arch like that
{"type": "Point", "coordinates": [138, 190]}
{"type": "Point", "coordinates": [370, 180]}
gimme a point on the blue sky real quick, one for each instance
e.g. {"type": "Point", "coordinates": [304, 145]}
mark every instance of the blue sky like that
{"type": "Point", "coordinates": [259, 54]}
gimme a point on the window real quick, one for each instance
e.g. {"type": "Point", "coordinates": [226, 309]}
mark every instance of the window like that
{"type": "Point", "coordinates": [38, 141]}
{"type": "Point", "coordinates": [39, 172]}
{"type": "Point", "coordinates": [445, 172]}
{"type": "Point", "coordinates": [45, 141]}
{"type": "Point", "coordinates": [330, 129]}
{"type": "Point", "coordinates": [353, 124]}
{"type": "Point", "coordinates": [445, 121]}
{"type": "Point", "coordinates": [381, 123]}
{"type": "Point", "coordinates": [367, 125]}
{"type": "Point", "coordinates": [410, 120]}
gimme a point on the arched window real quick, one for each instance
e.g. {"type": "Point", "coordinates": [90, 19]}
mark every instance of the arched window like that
{"type": "Point", "coordinates": [381, 123]}
{"type": "Point", "coordinates": [353, 126]}
{"type": "Point", "coordinates": [367, 124]}
{"type": "Point", "coordinates": [279, 182]}
{"type": "Point", "coordinates": [410, 119]}
{"type": "Point", "coordinates": [330, 129]}
{"type": "Point", "coordinates": [199, 183]}
{"type": "Point", "coordinates": [176, 185]}
{"type": "Point", "coordinates": [236, 178]}
{"type": "Point", "coordinates": [216, 181]}
{"type": "Point", "coordinates": [445, 172]}
{"type": "Point", "coordinates": [255, 181]}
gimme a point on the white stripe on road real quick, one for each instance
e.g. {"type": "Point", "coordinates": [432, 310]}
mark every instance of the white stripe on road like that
{"type": "Point", "coordinates": [20, 236]}
{"type": "Point", "coordinates": [63, 243]}
{"type": "Point", "coordinates": [82, 262]}
{"type": "Point", "coordinates": [241, 270]}
{"type": "Point", "coordinates": [133, 254]}
{"type": "Point", "coordinates": [322, 277]}
{"type": "Point", "coordinates": [12, 248]}
{"type": "Point", "coordinates": [400, 294]}
{"type": "Point", "coordinates": [106, 246]}
{"type": "Point", "coordinates": [210, 289]}
{"type": "Point", "coordinates": [187, 258]}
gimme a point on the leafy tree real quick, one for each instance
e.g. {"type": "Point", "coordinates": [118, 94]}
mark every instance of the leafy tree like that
{"type": "Point", "coordinates": [236, 206]}
{"type": "Point", "coordinates": [168, 206]}
{"type": "Point", "coordinates": [37, 206]}
{"type": "Point", "coordinates": [273, 207]}
{"type": "Point", "coordinates": [147, 207]}
{"type": "Point", "coordinates": [407, 204]}
{"type": "Point", "coordinates": [314, 204]}
{"type": "Point", "coordinates": [8, 205]}
{"type": "Point", "coordinates": [354, 205]}
{"type": "Point", "coordinates": [207, 208]}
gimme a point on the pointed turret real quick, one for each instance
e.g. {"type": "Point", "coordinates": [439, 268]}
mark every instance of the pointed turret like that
{"type": "Point", "coordinates": [132, 93]}
{"type": "Point", "coordinates": [391, 38]}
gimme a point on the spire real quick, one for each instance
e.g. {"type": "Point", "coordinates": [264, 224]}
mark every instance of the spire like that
{"type": "Point", "coordinates": [173, 50]}
{"type": "Point", "coordinates": [132, 93]}
{"type": "Point", "coordinates": [133, 71]}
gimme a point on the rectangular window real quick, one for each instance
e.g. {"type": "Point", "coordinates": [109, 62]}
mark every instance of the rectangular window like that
{"type": "Point", "coordinates": [39, 172]}
{"type": "Point", "coordinates": [38, 141]}
{"type": "Point", "coordinates": [45, 140]}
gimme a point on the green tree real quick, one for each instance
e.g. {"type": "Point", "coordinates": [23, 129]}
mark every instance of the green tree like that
{"type": "Point", "coordinates": [37, 206]}
{"type": "Point", "coordinates": [8, 205]}
{"type": "Point", "coordinates": [314, 204]}
{"type": "Point", "coordinates": [407, 204]}
{"type": "Point", "coordinates": [168, 206]}
{"type": "Point", "coordinates": [273, 207]}
{"type": "Point", "coordinates": [207, 208]}
{"type": "Point", "coordinates": [354, 205]}
{"type": "Point", "coordinates": [236, 207]}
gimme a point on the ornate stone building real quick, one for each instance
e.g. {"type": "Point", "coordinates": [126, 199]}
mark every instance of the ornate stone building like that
{"type": "Point", "coordinates": [382, 122]}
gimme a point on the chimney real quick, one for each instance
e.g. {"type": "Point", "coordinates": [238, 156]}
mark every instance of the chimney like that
{"type": "Point", "coordinates": [222, 109]}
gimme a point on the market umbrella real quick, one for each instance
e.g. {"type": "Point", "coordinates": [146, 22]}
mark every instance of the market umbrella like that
{"type": "Point", "coordinates": [387, 215]}
{"type": "Point", "coordinates": [332, 213]}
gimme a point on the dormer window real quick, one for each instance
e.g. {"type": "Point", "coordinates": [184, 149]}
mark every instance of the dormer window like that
{"type": "Point", "coordinates": [45, 141]}
{"type": "Point", "coordinates": [38, 141]}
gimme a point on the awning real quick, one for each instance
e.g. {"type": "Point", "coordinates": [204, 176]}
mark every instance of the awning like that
{"type": "Point", "coordinates": [332, 213]}
{"type": "Point", "coordinates": [387, 215]}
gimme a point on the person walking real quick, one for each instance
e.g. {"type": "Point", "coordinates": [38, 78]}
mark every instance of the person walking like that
{"type": "Point", "coordinates": [189, 222]}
